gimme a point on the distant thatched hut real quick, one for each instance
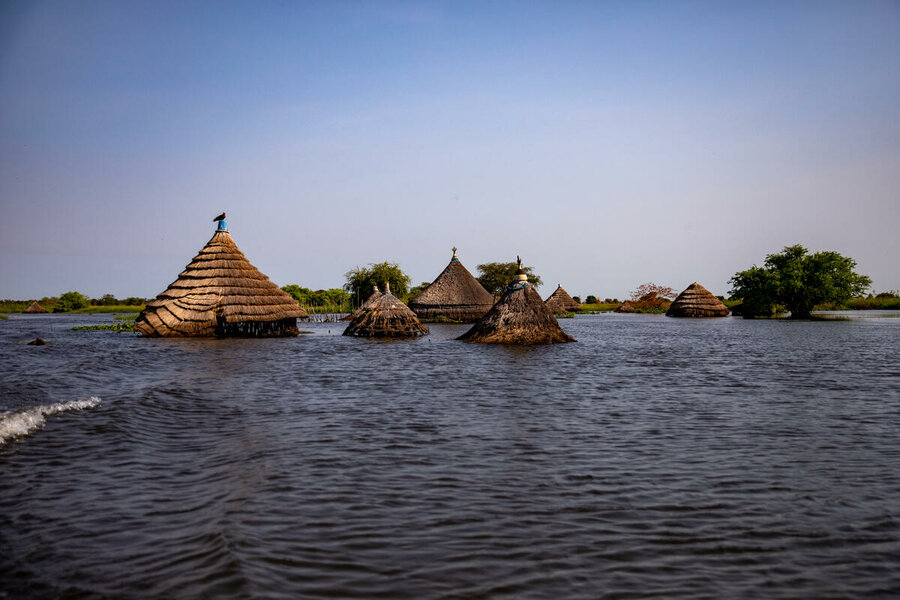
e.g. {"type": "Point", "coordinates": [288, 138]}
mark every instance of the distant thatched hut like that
{"type": "Point", "coordinates": [455, 295]}
{"type": "Point", "coordinates": [519, 317]}
{"type": "Point", "coordinates": [386, 316]}
{"type": "Point", "coordinates": [221, 294]}
{"type": "Point", "coordinates": [368, 301]}
{"type": "Point", "coordinates": [35, 308]}
{"type": "Point", "coordinates": [560, 301]}
{"type": "Point", "coordinates": [697, 301]}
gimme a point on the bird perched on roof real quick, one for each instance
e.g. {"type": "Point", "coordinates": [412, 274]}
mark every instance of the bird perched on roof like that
{"type": "Point", "coordinates": [220, 217]}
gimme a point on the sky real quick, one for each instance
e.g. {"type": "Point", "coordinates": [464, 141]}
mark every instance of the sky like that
{"type": "Point", "coordinates": [609, 144]}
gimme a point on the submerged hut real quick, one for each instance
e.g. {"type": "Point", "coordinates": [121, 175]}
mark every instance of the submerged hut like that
{"type": "Point", "coordinates": [221, 294]}
{"type": "Point", "coordinates": [372, 298]}
{"type": "Point", "coordinates": [386, 316]}
{"type": "Point", "coordinates": [697, 301]}
{"type": "Point", "coordinates": [455, 295]}
{"type": "Point", "coordinates": [560, 301]}
{"type": "Point", "coordinates": [518, 317]}
{"type": "Point", "coordinates": [35, 308]}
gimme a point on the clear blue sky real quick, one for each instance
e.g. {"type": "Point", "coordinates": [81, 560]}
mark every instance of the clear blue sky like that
{"type": "Point", "coordinates": [608, 143]}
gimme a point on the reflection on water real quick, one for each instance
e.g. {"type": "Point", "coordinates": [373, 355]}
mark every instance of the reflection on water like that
{"type": "Point", "coordinates": [655, 457]}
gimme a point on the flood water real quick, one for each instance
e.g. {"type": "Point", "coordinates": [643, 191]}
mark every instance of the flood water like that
{"type": "Point", "coordinates": [655, 457]}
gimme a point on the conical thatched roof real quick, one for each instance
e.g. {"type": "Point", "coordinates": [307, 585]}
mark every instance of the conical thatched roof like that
{"type": "Point", "coordinates": [560, 301]}
{"type": "Point", "coordinates": [519, 317]}
{"type": "Point", "coordinates": [221, 294]}
{"type": "Point", "coordinates": [455, 294]}
{"type": "Point", "coordinates": [372, 298]}
{"type": "Point", "coordinates": [34, 307]}
{"type": "Point", "coordinates": [385, 317]}
{"type": "Point", "coordinates": [697, 301]}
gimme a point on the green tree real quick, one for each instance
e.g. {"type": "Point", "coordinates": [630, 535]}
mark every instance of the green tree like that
{"type": "Point", "coordinates": [798, 281]}
{"type": "Point", "coordinates": [495, 276]}
{"type": "Point", "coordinates": [71, 301]}
{"type": "Point", "coordinates": [591, 300]}
{"type": "Point", "coordinates": [361, 279]}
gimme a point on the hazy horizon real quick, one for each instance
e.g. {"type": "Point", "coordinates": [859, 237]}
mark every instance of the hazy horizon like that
{"type": "Point", "coordinates": [608, 144]}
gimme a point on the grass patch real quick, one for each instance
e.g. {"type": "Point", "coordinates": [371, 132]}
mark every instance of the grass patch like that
{"type": "Point", "coordinates": [589, 309]}
{"type": "Point", "coordinates": [120, 326]}
{"type": "Point", "coordinates": [128, 317]}
{"type": "Point", "coordinates": [118, 308]}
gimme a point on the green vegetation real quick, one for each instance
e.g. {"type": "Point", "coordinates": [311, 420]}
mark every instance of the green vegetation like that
{"type": "Point", "coordinates": [591, 300]}
{"type": "Point", "coordinates": [495, 276]}
{"type": "Point", "coordinates": [71, 301]}
{"type": "Point", "coordinates": [597, 307]}
{"type": "Point", "coordinates": [121, 308]}
{"type": "Point", "coordinates": [798, 281]}
{"type": "Point", "coordinates": [360, 280]}
{"type": "Point", "coordinates": [2, 317]}
{"type": "Point", "coordinates": [120, 326]}
{"type": "Point", "coordinates": [334, 300]}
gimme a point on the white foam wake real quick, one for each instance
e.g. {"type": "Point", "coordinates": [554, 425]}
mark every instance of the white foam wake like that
{"type": "Point", "coordinates": [25, 421]}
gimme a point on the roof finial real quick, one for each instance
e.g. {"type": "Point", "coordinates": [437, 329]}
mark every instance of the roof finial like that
{"type": "Point", "coordinates": [223, 224]}
{"type": "Point", "coordinates": [454, 254]}
{"type": "Point", "coordinates": [520, 272]}
{"type": "Point", "coordinates": [387, 288]}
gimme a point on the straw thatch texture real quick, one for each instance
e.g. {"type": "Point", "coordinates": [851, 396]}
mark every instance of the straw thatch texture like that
{"type": "Point", "coordinates": [385, 317]}
{"type": "Point", "coordinates": [560, 301]}
{"type": "Point", "coordinates": [455, 295]}
{"type": "Point", "coordinates": [34, 307]}
{"type": "Point", "coordinates": [519, 317]}
{"type": "Point", "coordinates": [221, 294]}
{"type": "Point", "coordinates": [372, 298]}
{"type": "Point", "coordinates": [697, 301]}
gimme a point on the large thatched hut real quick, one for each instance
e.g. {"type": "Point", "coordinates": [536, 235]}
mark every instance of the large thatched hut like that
{"type": "Point", "coordinates": [221, 294]}
{"type": "Point", "coordinates": [560, 301]}
{"type": "Point", "coordinates": [375, 295]}
{"type": "Point", "coordinates": [35, 308]}
{"type": "Point", "coordinates": [385, 317]}
{"type": "Point", "coordinates": [455, 295]}
{"type": "Point", "coordinates": [519, 317]}
{"type": "Point", "coordinates": [697, 301]}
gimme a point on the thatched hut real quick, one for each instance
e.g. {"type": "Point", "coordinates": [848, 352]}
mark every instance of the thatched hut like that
{"type": "Point", "coordinates": [697, 301]}
{"type": "Point", "coordinates": [35, 308]}
{"type": "Point", "coordinates": [560, 301]}
{"type": "Point", "coordinates": [455, 295]}
{"type": "Point", "coordinates": [221, 294]}
{"type": "Point", "coordinates": [385, 317]}
{"type": "Point", "coordinates": [519, 317]}
{"type": "Point", "coordinates": [368, 301]}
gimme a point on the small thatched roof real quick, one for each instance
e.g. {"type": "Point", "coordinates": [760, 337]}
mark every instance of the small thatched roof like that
{"type": "Point", "coordinates": [697, 301]}
{"type": "Point", "coordinates": [220, 294]}
{"type": "Point", "coordinates": [560, 301]}
{"type": "Point", "coordinates": [368, 301]}
{"type": "Point", "coordinates": [455, 294]}
{"type": "Point", "coordinates": [519, 317]}
{"type": "Point", "coordinates": [385, 317]}
{"type": "Point", "coordinates": [34, 307]}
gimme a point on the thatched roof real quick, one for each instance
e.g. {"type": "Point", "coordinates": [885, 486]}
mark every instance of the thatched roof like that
{"type": "Point", "coordinates": [385, 317]}
{"type": "Point", "coordinates": [697, 301]}
{"type": "Point", "coordinates": [220, 294]}
{"type": "Point", "coordinates": [372, 298]}
{"type": "Point", "coordinates": [34, 307]}
{"type": "Point", "coordinates": [455, 294]}
{"type": "Point", "coordinates": [560, 301]}
{"type": "Point", "coordinates": [519, 317]}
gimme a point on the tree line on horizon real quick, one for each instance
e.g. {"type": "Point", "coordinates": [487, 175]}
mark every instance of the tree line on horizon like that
{"type": "Point", "coordinates": [792, 280]}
